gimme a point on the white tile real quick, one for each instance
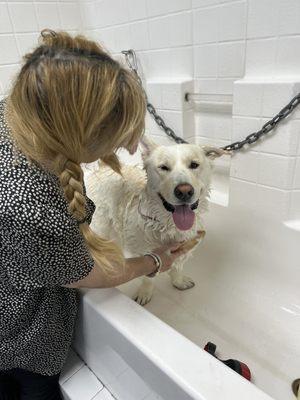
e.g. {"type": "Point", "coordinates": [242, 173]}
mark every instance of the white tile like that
{"type": "Point", "coordinates": [158, 7]}
{"type": "Point", "coordinates": [23, 17]}
{"type": "Point", "coordinates": [231, 59]}
{"type": "Point", "coordinates": [205, 125]}
{"type": "Point", "coordinates": [27, 42]}
{"type": "Point", "coordinates": [207, 86]}
{"type": "Point", "coordinates": [9, 52]}
{"type": "Point", "coordinates": [188, 123]}
{"type": "Point", "coordinates": [181, 62]}
{"type": "Point", "coordinates": [104, 394]}
{"type": "Point", "coordinates": [90, 17]}
{"type": "Point", "coordinates": [139, 35]}
{"type": "Point", "coordinates": [7, 74]}
{"type": "Point", "coordinates": [111, 12]}
{"type": "Point", "coordinates": [204, 3]}
{"type": "Point", "coordinates": [289, 21]}
{"type": "Point", "coordinates": [225, 85]}
{"type": "Point", "coordinates": [159, 32]}
{"type": "Point", "coordinates": [223, 127]}
{"type": "Point", "coordinates": [180, 29]}
{"type": "Point", "coordinates": [262, 18]}
{"type": "Point", "coordinates": [173, 95]}
{"type": "Point", "coordinates": [206, 60]}
{"type": "Point", "coordinates": [244, 165]}
{"type": "Point", "coordinates": [173, 30]}
{"type": "Point", "coordinates": [247, 99]}
{"type": "Point", "coordinates": [47, 16]}
{"type": "Point", "coordinates": [297, 174]}
{"type": "Point", "coordinates": [5, 23]}
{"type": "Point", "coordinates": [122, 37]}
{"type": "Point", "coordinates": [70, 15]}
{"type": "Point", "coordinates": [105, 14]}
{"type": "Point", "coordinates": [275, 96]}
{"type": "Point", "coordinates": [151, 125]}
{"type": "Point", "coordinates": [119, 11]}
{"type": "Point", "coordinates": [276, 171]}
{"type": "Point", "coordinates": [173, 119]}
{"type": "Point", "coordinates": [288, 56]}
{"type": "Point", "coordinates": [156, 64]}
{"type": "Point", "coordinates": [242, 127]}
{"type": "Point", "coordinates": [261, 57]}
{"type": "Point", "coordinates": [232, 21]}
{"type": "Point", "coordinates": [295, 202]}
{"type": "Point", "coordinates": [106, 37]}
{"type": "Point", "coordinates": [205, 25]}
{"type": "Point", "coordinates": [154, 93]}
{"type": "Point", "coordinates": [137, 9]}
{"type": "Point", "coordinates": [72, 365]}
{"type": "Point", "coordinates": [281, 140]}
{"type": "Point", "coordinates": [82, 385]}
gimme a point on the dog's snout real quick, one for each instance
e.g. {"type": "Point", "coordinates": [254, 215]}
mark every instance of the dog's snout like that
{"type": "Point", "coordinates": [184, 191]}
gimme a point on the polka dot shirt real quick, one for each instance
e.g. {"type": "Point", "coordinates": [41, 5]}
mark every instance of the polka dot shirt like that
{"type": "Point", "coordinates": [41, 249]}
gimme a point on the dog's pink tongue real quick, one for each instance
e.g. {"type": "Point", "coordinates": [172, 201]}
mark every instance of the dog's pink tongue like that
{"type": "Point", "coordinates": [183, 217]}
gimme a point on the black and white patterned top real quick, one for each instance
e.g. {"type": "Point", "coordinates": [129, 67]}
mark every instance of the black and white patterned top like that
{"type": "Point", "coordinates": [41, 248]}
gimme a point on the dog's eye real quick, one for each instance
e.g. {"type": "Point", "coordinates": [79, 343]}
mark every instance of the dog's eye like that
{"type": "Point", "coordinates": [164, 168]}
{"type": "Point", "coordinates": [193, 165]}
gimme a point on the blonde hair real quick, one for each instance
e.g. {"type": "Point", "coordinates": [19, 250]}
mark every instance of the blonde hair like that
{"type": "Point", "coordinates": [70, 99]}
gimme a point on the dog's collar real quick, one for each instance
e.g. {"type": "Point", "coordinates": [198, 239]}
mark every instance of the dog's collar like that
{"type": "Point", "coordinates": [146, 217]}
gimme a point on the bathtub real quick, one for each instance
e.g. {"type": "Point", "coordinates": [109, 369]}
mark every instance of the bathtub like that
{"type": "Point", "coordinates": [246, 300]}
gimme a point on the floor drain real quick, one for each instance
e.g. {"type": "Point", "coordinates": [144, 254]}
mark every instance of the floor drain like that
{"type": "Point", "coordinates": [296, 387]}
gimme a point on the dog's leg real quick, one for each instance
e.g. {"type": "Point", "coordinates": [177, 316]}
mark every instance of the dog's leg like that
{"type": "Point", "coordinates": [180, 281]}
{"type": "Point", "coordinates": [145, 291]}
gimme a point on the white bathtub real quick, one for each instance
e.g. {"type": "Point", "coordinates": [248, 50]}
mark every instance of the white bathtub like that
{"type": "Point", "coordinates": [246, 300]}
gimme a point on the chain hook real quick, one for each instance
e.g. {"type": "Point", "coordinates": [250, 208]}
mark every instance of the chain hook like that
{"type": "Point", "coordinates": [130, 58]}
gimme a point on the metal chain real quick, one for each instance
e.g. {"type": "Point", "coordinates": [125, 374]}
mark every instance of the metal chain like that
{"type": "Point", "coordinates": [131, 60]}
{"type": "Point", "coordinates": [132, 63]}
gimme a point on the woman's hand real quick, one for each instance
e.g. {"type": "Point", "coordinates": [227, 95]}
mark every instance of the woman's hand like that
{"type": "Point", "coordinates": [168, 254]}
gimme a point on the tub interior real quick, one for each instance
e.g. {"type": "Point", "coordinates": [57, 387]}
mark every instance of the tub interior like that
{"type": "Point", "coordinates": [246, 297]}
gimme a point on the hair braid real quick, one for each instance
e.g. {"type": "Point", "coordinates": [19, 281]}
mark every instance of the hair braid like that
{"type": "Point", "coordinates": [71, 180]}
{"type": "Point", "coordinates": [72, 103]}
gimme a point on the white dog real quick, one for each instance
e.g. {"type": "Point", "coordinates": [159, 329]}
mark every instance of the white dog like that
{"type": "Point", "coordinates": [144, 209]}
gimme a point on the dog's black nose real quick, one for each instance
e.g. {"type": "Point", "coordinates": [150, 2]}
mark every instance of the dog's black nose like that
{"type": "Point", "coordinates": [184, 191]}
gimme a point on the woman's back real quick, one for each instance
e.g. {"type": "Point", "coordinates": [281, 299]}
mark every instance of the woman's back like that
{"type": "Point", "coordinates": [41, 249]}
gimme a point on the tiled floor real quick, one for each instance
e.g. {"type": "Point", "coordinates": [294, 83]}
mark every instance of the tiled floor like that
{"type": "Point", "coordinates": [79, 383]}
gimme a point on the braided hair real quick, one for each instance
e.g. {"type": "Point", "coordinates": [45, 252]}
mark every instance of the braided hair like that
{"type": "Point", "coordinates": [73, 103]}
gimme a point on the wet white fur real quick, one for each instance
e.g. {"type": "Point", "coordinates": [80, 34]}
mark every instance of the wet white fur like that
{"type": "Point", "coordinates": [117, 199]}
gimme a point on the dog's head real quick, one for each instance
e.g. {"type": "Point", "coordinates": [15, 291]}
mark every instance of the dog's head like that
{"type": "Point", "coordinates": [180, 176]}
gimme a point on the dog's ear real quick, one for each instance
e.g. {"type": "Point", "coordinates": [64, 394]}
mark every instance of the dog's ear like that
{"type": "Point", "coordinates": [213, 152]}
{"type": "Point", "coordinates": [147, 145]}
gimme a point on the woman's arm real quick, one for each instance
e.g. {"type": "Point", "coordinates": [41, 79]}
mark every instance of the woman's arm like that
{"type": "Point", "coordinates": [133, 268]}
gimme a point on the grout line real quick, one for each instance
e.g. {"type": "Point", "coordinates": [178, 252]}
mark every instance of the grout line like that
{"type": "Point", "coordinates": [221, 3]}
{"type": "Point", "coordinates": [287, 191]}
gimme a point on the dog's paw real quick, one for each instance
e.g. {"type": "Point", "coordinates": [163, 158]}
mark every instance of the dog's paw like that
{"type": "Point", "coordinates": [183, 282]}
{"type": "Point", "coordinates": [143, 296]}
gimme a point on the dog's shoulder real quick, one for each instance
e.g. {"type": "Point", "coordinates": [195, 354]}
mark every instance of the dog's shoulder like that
{"type": "Point", "coordinates": [134, 177]}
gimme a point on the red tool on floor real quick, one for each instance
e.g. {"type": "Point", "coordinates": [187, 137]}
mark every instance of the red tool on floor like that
{"type": "Point", "coordinates": [236, 365]}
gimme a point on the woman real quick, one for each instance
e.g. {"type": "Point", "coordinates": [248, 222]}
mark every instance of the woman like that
{"type": "Point", "coordinates": [71, 103]}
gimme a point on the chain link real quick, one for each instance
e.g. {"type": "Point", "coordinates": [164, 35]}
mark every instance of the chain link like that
{"type": "Point", "coordinates": [131, 60]}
